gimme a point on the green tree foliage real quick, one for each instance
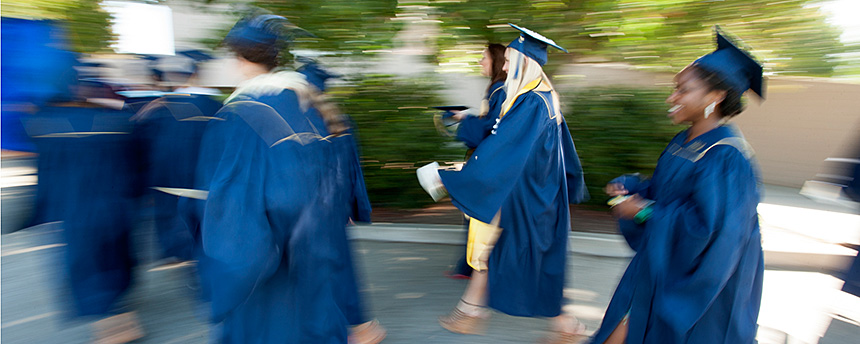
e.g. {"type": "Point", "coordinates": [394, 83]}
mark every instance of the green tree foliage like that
{"type": "Point", "coordinates": [617, 130]}
{"type": "Point", "coordinates": [87, 25]}
{"type": "Point", "coordinates": [340, 26]}
{"type": "Point", "coordinates": [790, 36]}
{"type": "Point", "coordinates": [468, 21]}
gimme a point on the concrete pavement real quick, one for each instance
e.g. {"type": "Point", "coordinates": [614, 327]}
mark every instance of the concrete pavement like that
{"type": "Point", "coordinates": [404, 287]}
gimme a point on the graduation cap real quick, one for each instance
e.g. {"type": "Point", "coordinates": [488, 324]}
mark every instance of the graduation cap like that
{"type": "Point", "coordinates": [452, 108]}
{"type": "Point", "coordinates": [151, 61]}
{"type": "Point", "coordinates": [315, 74]}
{"type": "Point", "coordinates": [197, 55]}
{"type": "Point", "coordinates": [176, 68]}
{"type": "Point", "coordinates": [186, 62]}
{"type": "Point", "coordinates": [89, 69]}
{"type": "Point", "coordinates": [150, 58]}
{"type": "Point", "coordinates": [533, 44]}
{"type": "Point", "coordinates": [264, 29]}
{"type": "Point", "coordinates": [738, 68]}
{"type": "Point", "coordinates": [445, 123]}
{"type": "Point", "coordinates": [89, 64]}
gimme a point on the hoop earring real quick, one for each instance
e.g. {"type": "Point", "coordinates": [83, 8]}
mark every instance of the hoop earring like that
{"type": "Point", "coordinates": [710, 109]}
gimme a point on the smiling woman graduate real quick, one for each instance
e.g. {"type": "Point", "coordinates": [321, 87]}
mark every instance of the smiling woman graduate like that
{"type": "Point", "coordinates": [697, 273]}
{"type": "Point", "coordinates": [518, 183]}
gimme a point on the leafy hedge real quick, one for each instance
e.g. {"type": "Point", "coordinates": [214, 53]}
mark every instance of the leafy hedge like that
{"type": "Point", "coordinates": [397, 135]}
{"type": "Point", "coordinates": [617, 130]}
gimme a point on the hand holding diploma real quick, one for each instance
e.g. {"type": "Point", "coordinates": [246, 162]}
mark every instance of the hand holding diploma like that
{"type": "Point", "coordinates": [624, 206]}
{"type": "Point", "coordinates": [628, 207]}
{"type": "Point", "coordinates": [428, 177]}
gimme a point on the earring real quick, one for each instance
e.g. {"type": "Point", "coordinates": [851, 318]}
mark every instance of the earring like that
{"type": "Point", "coordinates": [710, 109]}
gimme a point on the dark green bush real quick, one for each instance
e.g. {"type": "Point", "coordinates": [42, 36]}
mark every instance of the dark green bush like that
{"type": "Point", "coordinates": [617, 130]}
{"type": "Point", "coordinates": [397, 135]}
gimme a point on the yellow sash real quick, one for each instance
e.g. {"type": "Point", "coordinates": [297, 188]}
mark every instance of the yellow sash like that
{"type": "Point", "coordinates": [532, 85]}
{"type": "Point", "coordinates": [482, 239]}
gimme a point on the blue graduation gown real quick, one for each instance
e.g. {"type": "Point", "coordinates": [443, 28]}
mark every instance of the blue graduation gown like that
{"type": "Point", "coordinates": [473, 129]}
{"type": "Point", "coordinates": [90, 171]}
{"type": "Point", "coordinates": [277, 265]}
{"type": "Point", "coordinates": [53, 158]}
{"type": "Point", "coordinates": [352, 188]}
{"type": "Point", "coordinates": [697, 273]}
{"type": "Point", "coordinates": [12, 134]}
{"type": "Point", "coordinates": [169, 130]}
{"type": "Point", "coordinates": [529, 169]}
{"type": "Point", "coordinates": [347, 146]}
{"type": "Point", "coordinates": [852, 274]}
{"type": "Point", "coordinates": [134, 104]}
{"type": "Point", "coordinates": [350, 170]}
{"type": "Point", "coordinates": [350, 152]}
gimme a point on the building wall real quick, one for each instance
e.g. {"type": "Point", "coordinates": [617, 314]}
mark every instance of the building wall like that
{"type": "Point", "coordinates": [802, 122]}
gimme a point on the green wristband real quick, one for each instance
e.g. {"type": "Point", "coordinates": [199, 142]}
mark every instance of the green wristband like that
{"type": "Point", "coordinates": [644, 214]}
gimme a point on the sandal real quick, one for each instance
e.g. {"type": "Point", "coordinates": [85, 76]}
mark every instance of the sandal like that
{"type": "Point", "coordinates": [459, 322]}
{"type": "Point", "coordinates": [118, 329]}
{"type": "Point", "coordinates": [370, 332]}
{"type": "Point", "coordinates": [559, 337]}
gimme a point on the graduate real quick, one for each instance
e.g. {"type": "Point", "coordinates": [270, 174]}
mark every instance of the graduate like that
{"type": "Point", "coordinates": [279, 191]}
{"type": "Point", "coordinates": [516, 188]}
{"type": "Point", "coordinates": [697, 273]}
{"type": "Point", "coordinates": [169, 130]}
{"type": "Point", "coordinates": [317, 76]}
{"type": "Point", "coordinates": [364, 330]}
{"type": "Point", "coordinates": [87, 169]}
{"type": "Point", "coordinates": [475, 127]}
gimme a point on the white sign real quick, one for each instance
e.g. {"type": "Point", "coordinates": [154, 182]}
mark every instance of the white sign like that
{"type": "Point", "coordinates": [141, 28]}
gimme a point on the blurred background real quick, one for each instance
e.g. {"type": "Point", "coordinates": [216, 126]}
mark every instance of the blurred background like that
{"type": "Point", "coordinates": [398, 58]}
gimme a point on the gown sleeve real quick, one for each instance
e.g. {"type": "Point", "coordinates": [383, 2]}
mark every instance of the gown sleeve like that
{"type": "Point", "coordinates": [695, 244]}
{"type": "Point", "coordinates": [235, 232]}
{"type": "Point", "coordinates": [480, 188]}
{"type": "Point", "coordinates": [632, 231]}
{"type": "Point", "coordinates": [361, 208]}
{"type": "Point", "coordinates": [473, 129]}
{"type": "Point", "coordinates": [577, 192]}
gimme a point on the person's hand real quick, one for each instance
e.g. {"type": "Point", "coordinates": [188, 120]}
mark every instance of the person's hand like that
{"type": "Point", "coordinates": [615, 189]}
{"type": "Point", "coordinates": [458, 115]}
{"type": "Point", "coordinates": [627, 210]}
